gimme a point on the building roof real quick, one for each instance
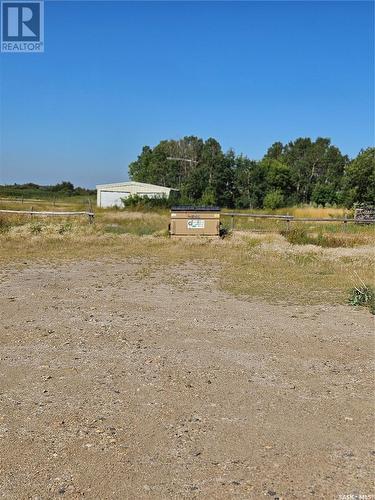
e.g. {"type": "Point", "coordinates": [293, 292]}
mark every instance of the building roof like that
{"type": "Point", "coordinates": [133, 183]}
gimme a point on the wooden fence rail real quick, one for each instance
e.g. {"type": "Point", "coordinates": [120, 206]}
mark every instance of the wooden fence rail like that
{"type": "Point", "coordinates": [291, 218]}
{"type": "Point", "coordinates": [31, 212]}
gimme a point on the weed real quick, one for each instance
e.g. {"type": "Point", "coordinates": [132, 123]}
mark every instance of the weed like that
{"type": "Point", "coordinates": [5, 225]}
{"type": "Point", "coordinates": [65, 228]}
{"type": "Point", "coordinates": [296, 236]}
{"type": "Point", "coordinates": [253, 242]}
{"type": "Point", "coordinates": [363, 296]}
{"type": "Point", "coordinates": [36, 228]}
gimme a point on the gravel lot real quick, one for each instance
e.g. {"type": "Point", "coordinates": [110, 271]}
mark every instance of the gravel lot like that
{"type": "Point", "coordinates": [123, 382]}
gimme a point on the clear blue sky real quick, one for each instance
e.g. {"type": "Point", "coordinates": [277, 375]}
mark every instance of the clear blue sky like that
{"type": "Point", "coordinates": [118, 75]}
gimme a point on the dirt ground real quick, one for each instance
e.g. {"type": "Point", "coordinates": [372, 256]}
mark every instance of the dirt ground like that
{"type": "Point", "coordinates": [122, 382]}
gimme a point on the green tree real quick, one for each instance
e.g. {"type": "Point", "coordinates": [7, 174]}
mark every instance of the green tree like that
{"type": "Point", "coordinates": [301, 171]}
{"type": "Point", "coordinates": [279, 177]}
{"type": "Point", "coordinates": [275, 151]}
{"type": "Point", "coordinates": [314, 162]}
{"type": "Point", "coordinates": [359, 179]}
{"type": "Point", "coordinates": [223, 180]}
{"type": "Point", "coordinates": [64, 187]}
{"type": "Point", "coordinates": [249, 183]}
{"type": "Point", "coordinates": [141, 170]}
{"type": "Point", "coordinates": [323, 194]}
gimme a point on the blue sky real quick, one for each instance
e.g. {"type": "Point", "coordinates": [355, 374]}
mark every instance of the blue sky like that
{"type": "Point", "coordinates": [118, 75]}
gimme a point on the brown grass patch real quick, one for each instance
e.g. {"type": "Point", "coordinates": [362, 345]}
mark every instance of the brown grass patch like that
{"type": "Point", "coordinates": [256, 265]}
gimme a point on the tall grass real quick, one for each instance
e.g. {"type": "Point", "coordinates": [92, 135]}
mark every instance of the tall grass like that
{"type": "Point", "coordinates": [5, 225]}
{"type": "Point", "coordinates": [291, 278]}
{"type": "Point", "coordinates": [299, 235]}
{"type": "Point", "coordinates": [299, 211]}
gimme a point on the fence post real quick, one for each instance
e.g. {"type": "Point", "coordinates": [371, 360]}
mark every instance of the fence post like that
{"type": "Point", "coordinates": [232, 222]}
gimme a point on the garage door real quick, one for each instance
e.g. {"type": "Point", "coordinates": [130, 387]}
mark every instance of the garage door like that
{"type": "Point", "coordinates": [112, 199]}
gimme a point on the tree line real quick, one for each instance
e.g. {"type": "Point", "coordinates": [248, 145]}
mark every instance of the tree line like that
{"type": "Point", "coordinates": [301, 171]}
{"type": "Point", "coordinates": [31, 190]}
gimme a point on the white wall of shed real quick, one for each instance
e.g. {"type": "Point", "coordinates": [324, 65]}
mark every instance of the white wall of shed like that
{"type": "Point", "coordinates": [111, 198]}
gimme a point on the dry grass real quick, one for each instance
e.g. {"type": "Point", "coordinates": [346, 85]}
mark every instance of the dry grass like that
{"type": "Point", "coordinates": [308, 211]}
{"type": "Point", "coordinates": [77, 203]}
{"type": "Point", "coordinates": [263, 266]}
{"type": "Point", "coordinates": [300, 211]}
{"type": "Point", "coordinates": [269, 225]}
{"type": "Point", "coordinates": [266, 268]}
{"type": "Point", "coordinates": [287, 276]}
{"type": "Point", "coordinates": [329, 237]}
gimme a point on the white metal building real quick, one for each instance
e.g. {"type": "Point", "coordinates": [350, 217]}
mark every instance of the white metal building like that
{"type": "Point", "coordinates": [110, 195]}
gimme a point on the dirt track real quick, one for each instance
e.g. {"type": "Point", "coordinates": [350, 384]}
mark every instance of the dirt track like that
{"type": "Point", "coordinates": [123, 386]}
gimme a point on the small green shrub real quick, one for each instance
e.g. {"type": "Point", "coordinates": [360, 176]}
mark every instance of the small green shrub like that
{"type": "Point", "coordinates": [136, 202]}
{"type": "Point", "coordinates": [296, 236]}
{"type": "Point", "coordinates": [65, 228]}
{"type": "Point", "coordinates": [363, 296]}
{"type": "Point", "coordinates": [273, 200]}
{"type": "Point", "coordinates": [36, 228]}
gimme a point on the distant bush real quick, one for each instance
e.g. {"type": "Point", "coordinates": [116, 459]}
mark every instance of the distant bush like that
{"type": "Point", "coordinates": [273, 200]}
{"type": "Point", "coordinates": [144, 202]}
{"type": "Point", "coordinates": [31, 190]}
